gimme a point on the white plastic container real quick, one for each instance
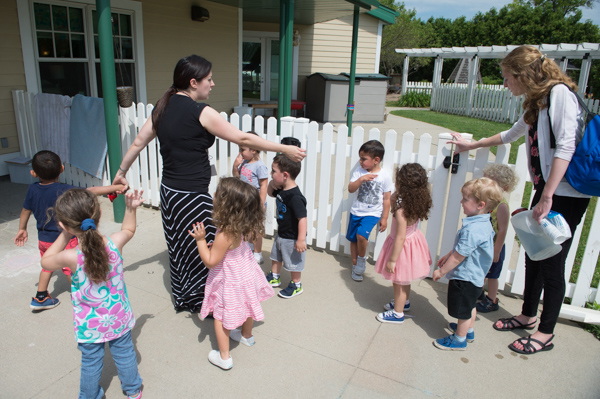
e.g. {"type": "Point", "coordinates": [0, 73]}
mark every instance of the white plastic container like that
{"type": "Point", "coordinates": [537, 244]}
{"type": "Point", "coordinates": [555, 226]}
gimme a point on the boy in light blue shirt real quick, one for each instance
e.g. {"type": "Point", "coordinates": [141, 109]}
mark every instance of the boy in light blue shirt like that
{"type": "Point", "coordinates": [469, 261]}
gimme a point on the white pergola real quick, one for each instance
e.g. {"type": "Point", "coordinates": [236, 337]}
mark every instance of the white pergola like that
{"type": "Point", "coordinates": [562, 52]}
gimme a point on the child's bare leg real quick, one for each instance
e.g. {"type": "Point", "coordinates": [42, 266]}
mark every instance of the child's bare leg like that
{"type": "Point", "coordinates": [400, 294]}
{"type": "Point", "coordinates": [353, 252]}
{"type": "Point", "coordinates": [276, 267]}
{"type": "Point", "coordinates": [492, 288]}
{"type": "Point", "coordinates": [464, 325]}
{"type": "Point", "coordinates": [258, 244]}
{"type": "Point", "coordinates": [222, 339]}
{"type": "Point", "coordinates": [296, 276]}
{"type": "Point", "coordinates": [247, 328]}
{"type": "Point", "coordinates": [362, 244]}
{"type": "Point", "coordinates": [44, 281]}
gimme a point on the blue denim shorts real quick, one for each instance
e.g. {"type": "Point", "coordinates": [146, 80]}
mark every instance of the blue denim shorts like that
{"type": "Point", "coordinates": [496, 266]}
{"type": "Point", "coordinates": [360, 225]}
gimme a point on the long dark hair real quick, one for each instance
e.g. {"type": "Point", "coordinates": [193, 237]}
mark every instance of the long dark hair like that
{"type": "Point", "coordinates": [188, 68]}
{"type": "Point", "coordinates": [72, 208]}
{"type": "Point", "coordinates": [412, 192]}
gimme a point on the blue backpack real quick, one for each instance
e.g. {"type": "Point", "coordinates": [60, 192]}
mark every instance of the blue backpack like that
{"type": "Point", "coordinates": [584, 169]}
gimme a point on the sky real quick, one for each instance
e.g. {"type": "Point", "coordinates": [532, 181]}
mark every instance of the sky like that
{"type": "Point", "coordinates": [452, 9]}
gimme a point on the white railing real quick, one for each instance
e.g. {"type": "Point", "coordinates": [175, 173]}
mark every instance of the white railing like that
{"type": "Point", "coordinates": [324, 178]}
{"type": "Point", "coordinates": [419, 87]}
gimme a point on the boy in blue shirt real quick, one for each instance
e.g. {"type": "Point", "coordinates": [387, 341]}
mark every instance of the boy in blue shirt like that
{"type": "Point", "coordinates": [469, 261]}
{"type": "Point", "coordinates": [40, 197]}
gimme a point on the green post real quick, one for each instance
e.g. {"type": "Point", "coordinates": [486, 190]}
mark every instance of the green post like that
{"type": "Point", "coordinates": [350, 111]}
{"type": "Point", "coordinates": [109, 90]}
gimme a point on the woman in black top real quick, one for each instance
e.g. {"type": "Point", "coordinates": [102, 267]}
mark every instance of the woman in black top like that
{"type": "Point", "coordinates": [186, 129]}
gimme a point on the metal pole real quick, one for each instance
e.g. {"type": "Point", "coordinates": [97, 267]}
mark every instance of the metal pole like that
{"type": "Point", "coordinates": [289, 59]}
{"type": "Point", "coordinates": [109, 92]}
{"type": "Point", "coordinates": [350, 106]}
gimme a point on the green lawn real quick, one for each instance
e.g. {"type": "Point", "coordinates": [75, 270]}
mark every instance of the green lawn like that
{"type": "Point", "coordinates": [479, 129]}
{"type": "Point", "coordinates": [463, 124]}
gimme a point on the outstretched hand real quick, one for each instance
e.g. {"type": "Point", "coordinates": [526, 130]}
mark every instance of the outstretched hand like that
{"type": "Point", "coordinates": [133, 199]}
{"type": "Point", "coordinates": [198, 231]}
{"type": "Point", "coordinates": [461, 144]}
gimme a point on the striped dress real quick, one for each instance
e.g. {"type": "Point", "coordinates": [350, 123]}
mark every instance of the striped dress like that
{"type": "Point", "coordinates": [235, 288]}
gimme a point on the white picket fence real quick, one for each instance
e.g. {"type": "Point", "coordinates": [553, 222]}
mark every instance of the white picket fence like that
{"type": "Point", "coordinates": [490, 102]}
{"type": "Point", "coordinates": [419, 87]}
{"type": "Point", "coordinates": [331, 157]}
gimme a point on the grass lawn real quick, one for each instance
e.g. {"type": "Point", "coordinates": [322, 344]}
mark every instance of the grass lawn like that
{"type": "Point", "coordinates": [480, 129]}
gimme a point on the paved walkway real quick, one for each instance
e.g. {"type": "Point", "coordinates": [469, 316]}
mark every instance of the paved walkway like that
{"type": "Point", "coordinates": [325, 343]}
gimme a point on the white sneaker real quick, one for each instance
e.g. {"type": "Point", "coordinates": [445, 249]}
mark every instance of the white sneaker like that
{"type": "Point", "coordinates": [215, 358]}
{"type": "Point", "coordinates": [259, 258]}
{"type": "Point", "coordinates": [236, 335]}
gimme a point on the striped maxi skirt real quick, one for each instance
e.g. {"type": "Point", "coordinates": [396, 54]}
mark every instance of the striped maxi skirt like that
{"type": "Point", "coordinates": [180, 210]}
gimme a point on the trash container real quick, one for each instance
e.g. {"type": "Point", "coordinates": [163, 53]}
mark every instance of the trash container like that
{"type": "Point", "coordinates": [327, 96]}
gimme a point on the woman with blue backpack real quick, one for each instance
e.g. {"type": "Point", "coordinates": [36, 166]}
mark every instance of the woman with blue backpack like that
{"type": "Point", "coordinates": [528, 72]}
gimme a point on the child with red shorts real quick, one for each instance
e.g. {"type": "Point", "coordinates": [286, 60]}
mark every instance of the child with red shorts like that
{"type": "Point", "coordinates": [40, 197]}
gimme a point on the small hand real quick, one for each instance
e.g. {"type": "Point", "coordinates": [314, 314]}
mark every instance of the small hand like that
{"type": "Point", "coordinates": [442, 260]}
{"type": "Point", "coordinates": [134, 199]}
{"type": "Point", "coordinates": [368, 177]}
{"type": "Point", "coordinates": [198, 231]}
{"type": "Point", "coordinates": [21, 238]}
{"type": "Point", "coordinates": [300, 246]}
{"type": "Point", "coordinates": [390, 266]}
{"type": "Point", "coordinates": [238, 160]}
{"type": "Point", "coordinates": [437, 274]}
{"type": "Point", "coordinates": [120, 179]}
{"type": "Point", "coordinates": [382, 225]}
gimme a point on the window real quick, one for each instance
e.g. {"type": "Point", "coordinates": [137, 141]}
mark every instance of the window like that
{"type": "Point", "coordinates": [67, 48]}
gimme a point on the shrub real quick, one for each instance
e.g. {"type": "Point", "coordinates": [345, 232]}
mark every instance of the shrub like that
{"type": "Point", "coordinates": [414, 100]}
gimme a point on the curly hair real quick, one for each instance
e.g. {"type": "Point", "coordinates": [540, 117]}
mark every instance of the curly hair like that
{"type": "Point", "coordinates": [537, 74]}
{"type": "Point", "coordinates": [485, 190]}
{"type": "Point", "coordinates": [506, 178]}
{"type": "Point", "coordinates": [412, 192]}
{"type": "Point", "coordinates": [72, 208]}
{"type": "Point", "coordinates": [237, 209]}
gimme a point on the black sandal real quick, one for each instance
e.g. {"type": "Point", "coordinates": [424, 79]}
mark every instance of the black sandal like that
{"type": "Point", "coordinates": [511, 323]}
{"type": "Point", "coordinates": [528, 348]}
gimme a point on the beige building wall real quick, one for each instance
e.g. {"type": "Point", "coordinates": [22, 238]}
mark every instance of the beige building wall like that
{"type": "Point", "coordinates": [12, 74]}
{"type": "Point", "coordinates": [327, 47]}
{"type": "Point", "coordinates": [170, 34]}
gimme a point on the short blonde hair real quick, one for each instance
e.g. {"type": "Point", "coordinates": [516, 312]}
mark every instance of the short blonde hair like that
{"type": "Point", "coordinates": [486, 190]}
{"type": "Point", "coordinates": [504, 175]}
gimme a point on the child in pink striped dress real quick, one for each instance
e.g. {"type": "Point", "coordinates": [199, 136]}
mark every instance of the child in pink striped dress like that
{"type": "Point", "coordinates": [235, 286]}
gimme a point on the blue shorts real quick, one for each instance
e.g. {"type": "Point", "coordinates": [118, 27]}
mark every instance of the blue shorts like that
{"type": "Point", "coordinates": [496, 266]}
{"type": "Point", "coordinates": [360, 225]}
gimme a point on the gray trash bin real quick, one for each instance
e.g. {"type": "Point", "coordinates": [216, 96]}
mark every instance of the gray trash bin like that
{"type": "Point", "coordinates": [327, 96]}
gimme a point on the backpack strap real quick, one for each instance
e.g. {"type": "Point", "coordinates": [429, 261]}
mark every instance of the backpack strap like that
{"type": "Point", "coordinates": [581, 104]}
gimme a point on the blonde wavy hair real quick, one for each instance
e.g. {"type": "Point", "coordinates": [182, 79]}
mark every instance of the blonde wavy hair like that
{"type": "Point", "coordinates": [538, 75]}
{"type": "Point", "coordinates": [506, 178]}
{"type": "Point", "coordinates": [237, 209]}
{"type": "Point", "coordinates": [486, 190]}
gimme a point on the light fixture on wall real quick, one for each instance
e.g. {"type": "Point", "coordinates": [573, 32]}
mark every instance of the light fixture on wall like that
{"type": "Point", "coordinates": [200, 14]}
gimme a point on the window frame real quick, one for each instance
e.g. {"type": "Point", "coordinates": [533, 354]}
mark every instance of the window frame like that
{"type": "Point", "coordinates": [29, 42]}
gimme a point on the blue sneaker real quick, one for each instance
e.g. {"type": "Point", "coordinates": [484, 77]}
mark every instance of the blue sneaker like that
{"type": "Point", "coordinates": [450, 343]}
{"type": "Point", "coordinates": [291, 291]}
{"type": "Point", "coordinates": [274, 282]}
{"type": "Point", "coordinates": [46, 303]}
{"type": "Point", "coordinates": [487, 305]}
{"type": "Point", "coordinates": [470, 335]}
{"type": "Point", "coordinates": [390, 317]}
{"type": "Point", "coordinates": [390, 306]}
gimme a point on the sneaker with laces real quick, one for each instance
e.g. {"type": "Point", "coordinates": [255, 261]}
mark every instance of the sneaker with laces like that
{"type": "Point", "coordinates": [274, 282]}
{"type": "Point", "coordinates": [390, 317]}
{"type": "Point", "coordinates": [390, 306]}
{"type": "Point", "coordinates": [259, 258]}
{"type": "Point", "coordinates": [470, 335]}
{"type": "Point", "coordinates": [215, 358]}
{"type": "Point", "coordinates": [135, 396]}
{"type": "Point", "coordinates": [450, 343]}
{"type": "Point", "coordinates": [487, 305]}
{"type": "Point", "coordinates": [237, 336]}
{"type": "Point", "coordinates": [47, 303]}
{"type": "Point", "coordinates": [291, 291]}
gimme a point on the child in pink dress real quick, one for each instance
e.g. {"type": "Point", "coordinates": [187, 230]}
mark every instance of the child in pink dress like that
{"type": "Point", "coordinates": [405, 255]}
{"type": "Point", "coordinates": [236, 285]}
